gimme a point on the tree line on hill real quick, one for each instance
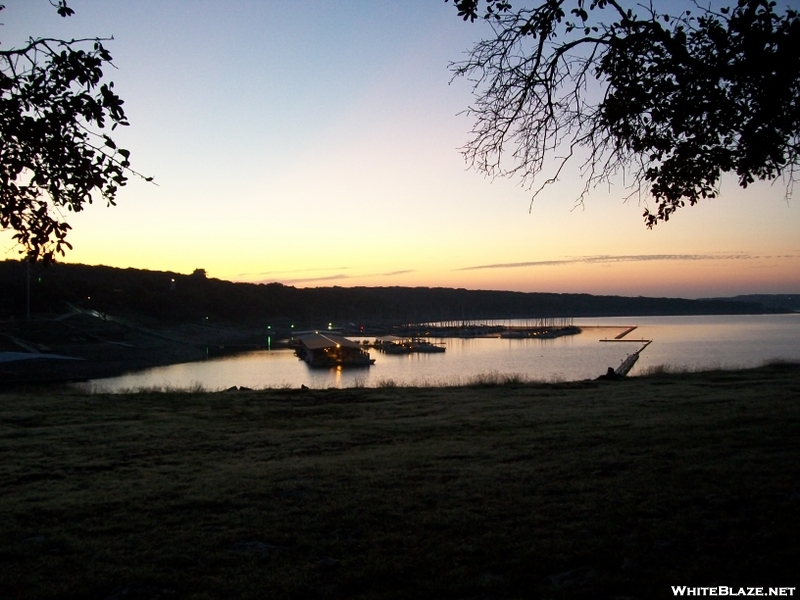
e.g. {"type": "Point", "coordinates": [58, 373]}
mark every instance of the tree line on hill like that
{"type": "Point", "coordinates": [178, 298]}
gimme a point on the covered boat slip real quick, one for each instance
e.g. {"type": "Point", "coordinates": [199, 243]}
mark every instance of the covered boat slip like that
{"type": "Point", "coordinates": [392, 344]}
{"type": "Point", "coordinates": [331, 350]}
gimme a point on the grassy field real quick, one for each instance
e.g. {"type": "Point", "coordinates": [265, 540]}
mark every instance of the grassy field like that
{"type": "Point", "coordinates": [601, 489]}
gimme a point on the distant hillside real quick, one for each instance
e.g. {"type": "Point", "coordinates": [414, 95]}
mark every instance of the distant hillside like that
{"type": "Point", "coordinates": [174, 297]}
{"type": "Point", "coordinates": [777, 302]}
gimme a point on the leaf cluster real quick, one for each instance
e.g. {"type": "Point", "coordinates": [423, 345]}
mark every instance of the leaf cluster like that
{"type": "Point", "coordinates": [468, 9]}
{"type": "Point", "coordinates": [55, 156]}
{"type": "Point", "coordinates": [672, 101]}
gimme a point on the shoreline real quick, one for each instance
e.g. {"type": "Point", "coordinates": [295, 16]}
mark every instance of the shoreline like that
{"type": "Point", "coordinates": [110, 347]}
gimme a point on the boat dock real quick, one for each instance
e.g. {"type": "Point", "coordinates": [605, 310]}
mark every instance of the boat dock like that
{"type": "Point", "coordinates": [624, 368]}
{"type": "Point", "coordinates": [331, 350]}
{"type": "Point", "coordinates": [622, 337]}
{"type": "Point", "coordinates": [543, 328]}
{"type": "Point", "coordinates": [392, 344]}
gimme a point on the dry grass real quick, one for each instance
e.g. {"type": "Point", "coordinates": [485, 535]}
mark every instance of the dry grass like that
{"type": "Point", "coordinates": [518, 490]}
{"type": "Point", "coordinates": [672, 369]}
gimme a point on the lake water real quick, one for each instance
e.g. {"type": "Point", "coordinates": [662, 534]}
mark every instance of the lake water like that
{"type": "Point", "coordinates": [687, 342]}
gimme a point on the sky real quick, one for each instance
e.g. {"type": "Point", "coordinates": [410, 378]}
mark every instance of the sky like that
{"type": "Point", "coordinates": [316, 143]}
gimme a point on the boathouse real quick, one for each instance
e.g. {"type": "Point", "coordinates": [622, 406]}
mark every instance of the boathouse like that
{"type": "Point", "coordinates": [331, 350]}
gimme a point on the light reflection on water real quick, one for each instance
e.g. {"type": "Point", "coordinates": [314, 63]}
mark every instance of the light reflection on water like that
{"type": "Point", "coordinates": [693, 342]}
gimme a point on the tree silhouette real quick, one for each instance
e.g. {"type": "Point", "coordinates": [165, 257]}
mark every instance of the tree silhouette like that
{"type": "Point", "coordinates": [54, 154]}
{"type": "Point", "coordinates": [668, 101]}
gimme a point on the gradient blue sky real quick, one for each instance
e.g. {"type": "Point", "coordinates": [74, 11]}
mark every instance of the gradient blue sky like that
{"type": "Point", "coordinates": [316, 143]}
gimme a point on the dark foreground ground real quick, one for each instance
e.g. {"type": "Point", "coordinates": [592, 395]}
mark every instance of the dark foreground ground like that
{"type": "Point", "coordinates": [604, 489]}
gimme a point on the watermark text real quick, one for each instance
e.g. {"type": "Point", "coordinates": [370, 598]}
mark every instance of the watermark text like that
{"type": "Point", "coordinates": [724, 590]}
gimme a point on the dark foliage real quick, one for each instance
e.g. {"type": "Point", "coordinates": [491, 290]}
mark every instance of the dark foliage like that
{"type": "Point", "coordinates": [172, 297]}
{"type": "Point", "coordinates": [671, 101]}
{"type": "Point", "coordinates": [54, 155]}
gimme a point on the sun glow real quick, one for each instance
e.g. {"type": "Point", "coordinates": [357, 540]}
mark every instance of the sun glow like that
{"type": "Point", "coordinates": [337, 163]}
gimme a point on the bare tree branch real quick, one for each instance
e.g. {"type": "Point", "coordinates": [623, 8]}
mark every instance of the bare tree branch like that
{"type": "Point", "coordinates": [670, 102]}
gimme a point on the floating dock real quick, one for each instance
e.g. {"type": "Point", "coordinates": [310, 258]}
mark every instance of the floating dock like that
{"type": "Point", "coordinates": [392, 344]}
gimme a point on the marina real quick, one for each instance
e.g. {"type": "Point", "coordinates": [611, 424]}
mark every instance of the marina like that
{"type": "Point", "coordinates": [701, 342]}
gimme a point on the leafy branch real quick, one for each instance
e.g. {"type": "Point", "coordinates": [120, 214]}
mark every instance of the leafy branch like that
{"type": "Point", "coordinates": [54, 104]}
{"type": "Point", "coordinates": [671, 102]}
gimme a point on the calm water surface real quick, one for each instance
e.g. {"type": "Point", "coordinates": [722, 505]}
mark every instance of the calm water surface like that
{"type": "Point", "coordinates": [692, 342]}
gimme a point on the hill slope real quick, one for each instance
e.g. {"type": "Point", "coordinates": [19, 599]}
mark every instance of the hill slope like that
{"type": "Point", "coordinates": [173, 297]}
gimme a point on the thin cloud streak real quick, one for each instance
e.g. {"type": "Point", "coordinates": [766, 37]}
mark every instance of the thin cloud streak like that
{"type": "Point", "coordinates": [341, 276]}
{"type": "Point", "coordinates": [393, 273]}
{"type": "Point", "coordinates": [307, 279]}
{"type": "Point", "coordinates": [605, 259]}
{"type": "Point", "coordinates": [265, 273]}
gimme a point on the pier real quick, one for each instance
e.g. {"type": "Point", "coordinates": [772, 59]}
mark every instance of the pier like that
{"type": "Point", "coordinates": [630, 360]}
{"type": "Point", "coordinates": [622, 337]}
{"type": "Point", "coordinates": [542, 328]}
